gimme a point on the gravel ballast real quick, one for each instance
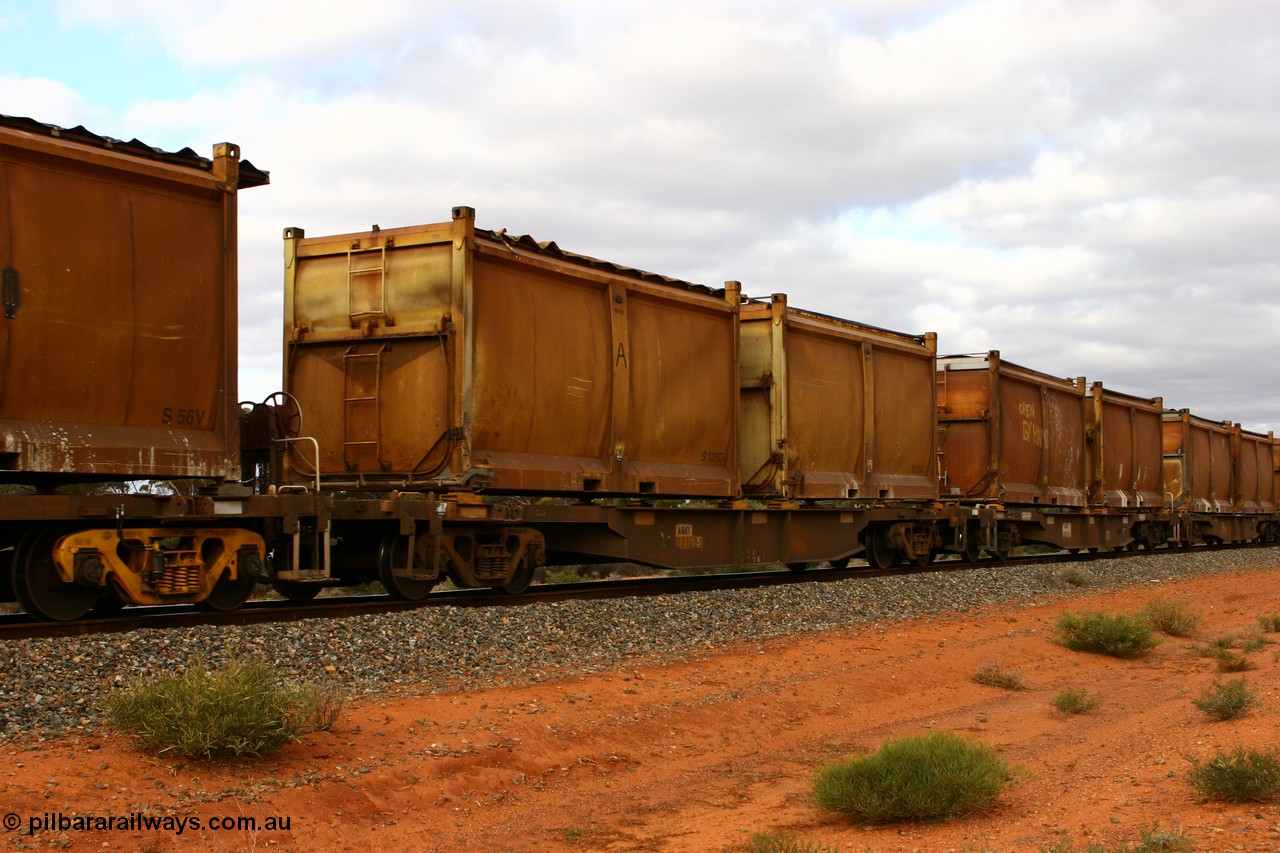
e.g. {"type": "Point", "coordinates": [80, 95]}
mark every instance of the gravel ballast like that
{"type": "Point", "coordinates": [54, 686]}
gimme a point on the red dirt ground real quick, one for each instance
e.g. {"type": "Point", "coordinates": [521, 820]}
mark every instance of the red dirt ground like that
{"type": "Point", "coordinates": [696, 756]}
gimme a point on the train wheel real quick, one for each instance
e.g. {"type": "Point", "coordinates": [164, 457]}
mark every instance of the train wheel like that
{"type": "Point", "coordinates": [392, 552]}
{"type": "Point", "coordinates": [296, 590]}
{"type": "Point", "coordinates": [229, 594]}
{"type": "Point", "coordinates": [878, 553]}
{"type": "Point", "coordinates": [797, 567]}
{"type": "Point", "coordinates": [37, 586]}
{"type": "Point", "coordinates": [521, 579]}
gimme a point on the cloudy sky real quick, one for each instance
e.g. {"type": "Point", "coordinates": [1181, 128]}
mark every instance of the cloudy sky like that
{"type": "Point", "coordinates": [1092, 188]}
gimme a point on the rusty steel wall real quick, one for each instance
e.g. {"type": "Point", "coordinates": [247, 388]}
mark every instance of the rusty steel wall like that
{"type": "Point", "coordinates": [1125, 437]}
{"type": "Point", "coordinates": [445, 356]}
{"type": "Point", "coordinates": [119, 326]}
{"type": "Point", "coordinates": [1198, 462]}
{"type": "Point", "coordinates": [833, 409]}
{"type": "Point", "coordinates": [1256, 485]}
{"type": "Point", "coordinates": [1010, 434]}
{"type": "Point", "coordinates": [1275, 469]}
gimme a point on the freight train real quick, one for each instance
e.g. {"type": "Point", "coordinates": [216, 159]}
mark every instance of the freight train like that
{"type": "Point", "coordinates": [465, 403]}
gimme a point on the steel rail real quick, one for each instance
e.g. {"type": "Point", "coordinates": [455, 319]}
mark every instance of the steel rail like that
{"type": "Point", "coordinates": [261, 611]}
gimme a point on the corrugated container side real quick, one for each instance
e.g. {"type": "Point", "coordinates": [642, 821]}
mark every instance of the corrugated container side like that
{"type": "Point", "coordinates": [1275, 468]}
{"type": "Point", "coordinates": [1256, 488]}
{"type": "Point", "coordinates": [119, 331]}
{"type": "Point", "coordinates": [1011, 434]}
{"type": "Point", "coordinates": [833, 409]}
{"type": "Point", "coordinates": [1125, 435]}
{"type": "Point", "coordinates": [443, 356]}
{"type": "Point", "coordinates": [1198, 463]}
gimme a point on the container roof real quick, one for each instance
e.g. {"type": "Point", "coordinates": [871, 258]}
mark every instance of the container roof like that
{"type": "Point", "coordinates": [250, 175]}
{"type": "Point", "coordinates": [528, 244]}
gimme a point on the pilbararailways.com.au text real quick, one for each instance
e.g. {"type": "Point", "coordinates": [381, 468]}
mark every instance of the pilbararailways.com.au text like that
{"type": "Point", "coordinates": [141, 822]}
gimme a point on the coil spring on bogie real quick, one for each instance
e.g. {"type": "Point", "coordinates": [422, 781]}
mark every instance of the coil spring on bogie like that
{"type": "Point", "coordinates": [491, 562]}
{"type": "Point", "coordinates": [181, 574]}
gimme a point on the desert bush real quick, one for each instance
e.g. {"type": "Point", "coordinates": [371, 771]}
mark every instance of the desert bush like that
{"type": "Point", "coordinates": [1151, 840]}
{"type": "Point", "coordinates": [1172, 616]}
{"type": "Point", "coordinates": [994, 675]}
{"type": "Point", "coordinates": [1114, 634]}
{"type": "Point", "coordinates": [1239, 776]}
{"type": "Point", "coordinates": [1215, 647]}
{"type": "Point", "coordinates": [558, 574]}
{"type": "Point", "coordinates": [785, 842]}
{"type": "Point", "coordinates": [1074, 701]}
{"type": "Point", "coordinates": [1229, 661]}
{"type": "Point", "coordinates": [1229, 701]}
{"type": "Point", "coordinates": [246, 708]}
{"type": "Point", "coordinates": [1078, 576]}
{"type": "Point", "coordinates": [935, 777]}
{"type": "Point", "coordinates": [1269, 622]}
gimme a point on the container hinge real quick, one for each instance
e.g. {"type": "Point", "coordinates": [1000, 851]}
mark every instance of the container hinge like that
{"type": "Point", "coordinates": [10, 292]}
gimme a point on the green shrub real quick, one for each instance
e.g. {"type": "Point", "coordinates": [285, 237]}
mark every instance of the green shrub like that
{"type": "Point", "coordinates": [1270, 622]}
{"type": "Point", "coordinates": [1219, 645]}
{"type": "Point", "coordinates": [785, 842]}
{"type": "Point", "coordinates": [994, 675]}
{"type": "Point", "coordinates": [1153, 840]}
{"type": "Point", "coordinates": [939, 776]}
{"type": "Point", "coordinates": [246, 708]}
{"type": "Point", "coordinates": [1240, 776]}
{"type": "Point", "coordinates": [1229, 701]}
{"type": "Point", "coordinates": [1229, 661]}
{"type": "Point", "coordinates": [1172, 616]}
{"type": "Point", "coordinates": [1114, 634]}
{"type": "Point", "coordinates": [1073, 701]}
{"type": "Point", "coordinates": [1216, 646]}
{"type": "Point", "coordinates": [561, 574]}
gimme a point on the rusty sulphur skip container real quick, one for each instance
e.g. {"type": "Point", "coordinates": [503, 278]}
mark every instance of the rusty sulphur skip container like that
{"type": "Point", "coordinates": [833, 409]}
{"type": "Point", "coordinates": [1198, 462]}
{"type": "Point", "coordinates": [1010, 434]}
{"type": "Point", "coordinates": [119, 307]}
{"type": "Point", "coordinates": [448, 357]}
{"type": "Point", "coordinates": [1256, 486]}
{"type": "Point", "coordinates": [1215, 466]}
{"type": "Point", "coordinates": [1125, 442]}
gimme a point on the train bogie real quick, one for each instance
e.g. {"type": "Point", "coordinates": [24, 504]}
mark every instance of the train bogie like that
{"type": "Point", "coordinates": [833, 409]}
{"type": "Point", "coordinates": [448, 357]}
{"type": "Point", "coordinates": [119, 299]}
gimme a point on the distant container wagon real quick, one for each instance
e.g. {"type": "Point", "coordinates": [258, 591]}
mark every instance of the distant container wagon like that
{"type": "Point", "coordinates": [1125, 442]}
{"type": "Point", "coordinates": [832, 409]}
{"type": "Point", "coordinates": [1198, 462]}
{"type": "Point", "coordinates": [1009, 434]}
{"type": "Point", "coordinates": [1256, 488]}
{"type": "Point", "coordinates": [119, 297]}
{"type": "Point", "coordinates": [448, 357]}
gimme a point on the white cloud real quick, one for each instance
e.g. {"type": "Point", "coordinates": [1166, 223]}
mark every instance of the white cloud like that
{"type": "Point", "coordinates": [1073, 182]}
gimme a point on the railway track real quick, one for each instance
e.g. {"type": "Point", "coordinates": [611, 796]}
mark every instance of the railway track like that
{"type": "Point", "coordinates": [20, 626]}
